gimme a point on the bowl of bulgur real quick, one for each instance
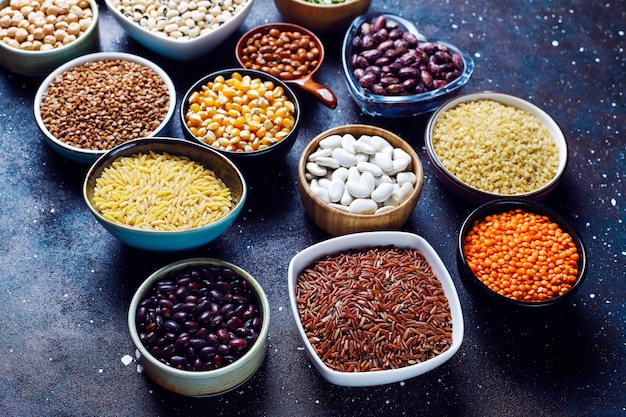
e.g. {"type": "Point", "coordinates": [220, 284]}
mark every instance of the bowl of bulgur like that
{"type": "Point", "coordinates": [164, 194]}
{"type": "Point", "coordinates": [37, 37]}
{"type": "Point", "coordinates": [489, 145]}
{"type": "Point", "coordinates": [374, 308]}
{"type": "Point", "coordinates": [93, 103]}
{"type": "Point", "coordinates": [521, 254]}
{"type": "Point", "coordinates": [180, 30]}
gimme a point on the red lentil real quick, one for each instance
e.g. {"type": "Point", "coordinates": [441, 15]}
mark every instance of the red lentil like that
{"type": "Point", "coordinates": [374, 309]}
{"type": "Point", "coordinates": [522, 255]}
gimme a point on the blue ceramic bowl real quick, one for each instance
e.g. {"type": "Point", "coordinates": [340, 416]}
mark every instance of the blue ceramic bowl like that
{"type": "Point", "coordinates": [88, 156]}
{"type": "Point", "coordinates": [152, 240]}
{"type": "Point", "coordinates": [398, 106]}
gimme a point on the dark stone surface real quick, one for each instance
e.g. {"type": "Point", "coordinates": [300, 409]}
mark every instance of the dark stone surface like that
{"type": "Point", "coordinates": [66, 283]}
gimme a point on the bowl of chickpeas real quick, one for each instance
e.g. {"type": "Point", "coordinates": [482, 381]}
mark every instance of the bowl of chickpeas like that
{"type": "Point", "coordinates": [322, 16]}
{"type": "Point", "coordinates": [200, 326]}
{"type": "Point", "coordinates": [37, 37]}
{"type": "Point", "coordinates": [97, 101]}
{"type": "Point", "coordinates": [182, 31]}
{"type": "Point", "coordinates": [521, 254]}
{"type": "Point", "coordinates": [249, 116]}
{"type": "Point", "coordinates": [490, 145]}
{"type": "Point", "coordinates": [164, 194]}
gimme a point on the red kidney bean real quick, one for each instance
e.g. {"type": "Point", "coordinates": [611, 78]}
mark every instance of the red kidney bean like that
{"type": "Point", "coordinates": [422, 66]}
{"type": "Point", "coordinates": [199, 318]}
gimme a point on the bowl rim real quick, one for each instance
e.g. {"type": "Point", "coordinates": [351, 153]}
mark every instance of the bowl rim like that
{"type": "Point", "coordinates": [93, 26]}
{"type": "Point", "coordinates": [160, 273]}
{"type": "Point", "coordinates": [114, 153]}
{"type": "Point", "coordinates": [287, 141]}
{"type": "Point", "coordinates": [100, 56]}
{"type": "Point", "coordinates": [497, 206]}
{"type": "Point", "coordinates": [367, 97]}
{"type": "Point", "coordinates": [333, 245]}
{"type": "Point", "coordinates": [508, 99]}
{"type": "Point", "coordinates": [328, 5]}
{"type": "Point", "coordinates": [174, 43]}
{"type": "Point", "coordinates": [415, 161]}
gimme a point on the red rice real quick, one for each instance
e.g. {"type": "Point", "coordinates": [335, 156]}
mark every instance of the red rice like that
{"type": "Point", "coordinates": [374, 309]}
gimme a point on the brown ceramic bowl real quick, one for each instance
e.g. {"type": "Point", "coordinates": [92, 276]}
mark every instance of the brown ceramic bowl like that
{"type": "Point", "coordinates": [339, 221]}
{"type": "Point", "coordinates": [322, 18]}
{"type": "Point", "coordinates": [306, 82]}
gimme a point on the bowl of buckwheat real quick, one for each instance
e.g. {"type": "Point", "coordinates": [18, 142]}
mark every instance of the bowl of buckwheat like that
{"type": "Point", "coordinates": [374, 308]}
{"type": "Point", "coordinates": [394, 71]}
{"type": "Point", "coordinates": [98, 101]}
{"type": "Point", "coordinates": [181, 30]}
{"type": "Point", "coordinates": [32, 45]}
{"type": "Point", "coordinates": [489, 145]}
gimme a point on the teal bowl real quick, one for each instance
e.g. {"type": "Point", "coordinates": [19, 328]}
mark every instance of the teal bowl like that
{"type": "Point", "coordinates": [175, 240]}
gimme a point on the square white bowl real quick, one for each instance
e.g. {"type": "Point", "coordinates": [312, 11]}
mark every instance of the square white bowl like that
{"type": "Point", "coordinates": [361, 240]}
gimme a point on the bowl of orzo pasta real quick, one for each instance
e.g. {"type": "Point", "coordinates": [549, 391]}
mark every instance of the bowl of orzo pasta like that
{"type": "Point", "coordinates": [164, 194]}
{"type": "Point", "coordinates": [488, 145]}
{"type": "Point", "coordinates": [95, 102]}
{"type": "Point", "coordinates": [374, 308]}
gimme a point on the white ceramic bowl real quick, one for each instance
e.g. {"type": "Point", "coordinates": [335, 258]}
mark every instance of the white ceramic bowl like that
{"type": "Point", "coordinates": [182, 50]}
{"type": "Point", "coordinates": [473, 194]}
{"type": "Point", "coordinates": [344, 243]}
{"type": "Point", "coordinates": [39, 63]}
{"type": "Point", "coordinates": [85, 155]}
{"type": "Point", "coordinates": [201, 383]}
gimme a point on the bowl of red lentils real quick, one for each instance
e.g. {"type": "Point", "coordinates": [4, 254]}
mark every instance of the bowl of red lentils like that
{"type": "Point", "coordinates": [98, 101]}
{"type": "Point", "coordinates": [200, 326]}
{"type": "Point", "coordinates": [488, 145]}
{"type": "Point", "coordinates": [182, 30]}
{"type": "Point", "coordinates": [164, 194]}
{"type": "Point", "coordinates": [247, 115]}
{"type": "Point", "coordinates": [37, 37]}
{"type": "Point", "coordinates": [521, 253]}
{"type": "Point", "coordinates": [374, 308]}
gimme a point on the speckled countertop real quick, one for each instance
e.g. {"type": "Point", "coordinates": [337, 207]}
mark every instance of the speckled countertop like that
{"type": "Point", "coordinates": [66, 283]}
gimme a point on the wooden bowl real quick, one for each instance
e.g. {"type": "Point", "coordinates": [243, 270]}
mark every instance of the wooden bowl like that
{"type": "Point", "coordinates": [322, 18]}
{"type": "Point", "coordinates": [339, 222]}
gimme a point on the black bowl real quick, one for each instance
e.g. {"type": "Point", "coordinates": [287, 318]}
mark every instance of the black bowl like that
{"type": "Point", "coordinates": [499, 206]}
{"type": "Point", "coordinates": [244, 159]}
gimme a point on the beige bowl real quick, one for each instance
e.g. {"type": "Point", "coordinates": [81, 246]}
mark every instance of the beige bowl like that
{"type": "Point", "coordinates": [337, 221]}
{"type": "Point", "coordinates": [40, 63]}
{"type": "Point", "coordinates": [201, 383]}
{"type": "Point", "coordinates": [322, 18]}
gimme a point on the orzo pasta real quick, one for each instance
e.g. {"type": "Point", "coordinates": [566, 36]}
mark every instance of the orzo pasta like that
{"type": "Point", "coordinates": [159, 191]}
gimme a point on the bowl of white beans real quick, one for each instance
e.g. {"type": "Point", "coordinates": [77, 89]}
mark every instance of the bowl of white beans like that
{"type": "Point", "coordinates": [97, 101]}
{"type": "Point", "coordinates": [489, 145]}
{"type": "Point", "coordinates": [182, 30]}
{"type": "Point", "coordinates": [32, 46]}
{"type": "Point", "coordinates": [357, 178]}
{"type": "Point", "coordinates": [164, 194]}
{"type": "Point", "coordinates": [247, 115]}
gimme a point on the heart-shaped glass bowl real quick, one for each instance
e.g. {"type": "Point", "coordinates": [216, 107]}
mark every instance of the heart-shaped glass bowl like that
{"type": "Point", "coordinates": [406, 105]}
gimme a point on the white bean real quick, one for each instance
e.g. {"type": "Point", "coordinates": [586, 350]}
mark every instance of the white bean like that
{"type": "Point", "coordinates": [330, 142]}
{"type": "Point", "coordinates": [358, 190]}
{"type": "Point", "coordinates": [363, 206]}
{"type": "Point", "coordinates": [344, 158]}
{"type": "Point", "coordinates": [335, 190]}
{"type": "Point", "coordinates": [382, 192]}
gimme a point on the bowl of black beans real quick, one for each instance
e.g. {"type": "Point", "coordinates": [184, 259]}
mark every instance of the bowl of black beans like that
{"type": "Point", "coordinates": [394, 71]}
{"type": "Point", "coordinates": [200, 326]}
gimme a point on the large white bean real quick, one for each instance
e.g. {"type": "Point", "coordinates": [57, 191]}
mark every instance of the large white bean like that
{"type": "Point", "coordinates": [383, 161]}
{"type": "Point", "coordinates": [373, 169]}
{"type": "Point", "coordinates": [344, 158]}
{"type": "Point", "coordinates": [330, 142]}
{"type": "Point", "coordinates": [335, 190]}
{"type": "Point", "coordinates": [357, 189]}
{"type": "Point", "coordinates": [363, 206]}
{"type": "Point", "coordinates": [382, 192]}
